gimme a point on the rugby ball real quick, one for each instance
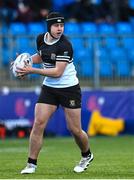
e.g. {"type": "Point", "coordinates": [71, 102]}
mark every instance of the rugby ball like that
{"type": "Point", "coordinates": [21, 61]}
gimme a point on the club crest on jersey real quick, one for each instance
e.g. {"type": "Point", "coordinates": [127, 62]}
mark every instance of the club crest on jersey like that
{"type": "Point", "coordinates": [53, 56]}
{"type": "Point", "coordinates": [72, 103]}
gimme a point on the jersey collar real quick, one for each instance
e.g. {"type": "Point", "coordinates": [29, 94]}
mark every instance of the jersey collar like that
{"type": "Point", "coordinates": [49, 43]}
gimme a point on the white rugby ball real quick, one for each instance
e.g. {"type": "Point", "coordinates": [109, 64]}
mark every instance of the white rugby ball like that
{"type": "Point", "coordinates": [21, 61]}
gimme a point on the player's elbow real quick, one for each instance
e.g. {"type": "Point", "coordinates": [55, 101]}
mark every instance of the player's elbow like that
{"type": "Point", "coordinates": [58, 73]}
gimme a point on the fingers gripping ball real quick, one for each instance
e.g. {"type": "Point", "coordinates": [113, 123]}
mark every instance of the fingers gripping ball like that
{"type": "Point", "coordinates": [21, 61]}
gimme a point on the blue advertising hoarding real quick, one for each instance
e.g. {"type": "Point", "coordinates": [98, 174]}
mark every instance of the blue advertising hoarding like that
{"type": "Point", "coordinates": [17, 108]}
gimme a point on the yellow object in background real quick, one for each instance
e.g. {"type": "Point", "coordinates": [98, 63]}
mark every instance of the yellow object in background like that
{"type": "Point", "coordinates": [103, 125]}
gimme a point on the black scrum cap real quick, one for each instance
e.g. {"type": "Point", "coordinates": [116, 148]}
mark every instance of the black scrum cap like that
{"type": "Point", "coordinates": [52, 18]}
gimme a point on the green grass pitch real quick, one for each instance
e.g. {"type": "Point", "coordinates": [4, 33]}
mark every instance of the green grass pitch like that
{"type": "Point", "coordinates": [113, 158]}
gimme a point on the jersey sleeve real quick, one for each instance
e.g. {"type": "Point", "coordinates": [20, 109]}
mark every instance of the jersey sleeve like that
{"type": "Point", "coordinates": [39, 41]}
{"type": "Point", "coordinates": [65, 53]}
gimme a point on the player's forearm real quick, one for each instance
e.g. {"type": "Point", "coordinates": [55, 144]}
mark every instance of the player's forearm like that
{"type": "Point", "coordinates": [52, 72]}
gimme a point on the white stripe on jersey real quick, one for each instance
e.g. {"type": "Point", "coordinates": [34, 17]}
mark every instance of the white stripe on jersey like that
{"type": "Point", "coordinates": [63, 57]}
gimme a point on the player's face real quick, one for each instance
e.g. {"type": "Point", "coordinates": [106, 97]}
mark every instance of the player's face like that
{"type": "Point", "coordinates": [57, 30]}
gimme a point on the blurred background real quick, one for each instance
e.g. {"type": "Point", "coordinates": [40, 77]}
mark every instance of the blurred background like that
{"type": "Point", "coordinates": [102, 35]}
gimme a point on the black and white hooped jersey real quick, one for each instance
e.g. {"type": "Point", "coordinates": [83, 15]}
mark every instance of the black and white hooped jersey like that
{"type": "Point", "coordinates": [58, 51]}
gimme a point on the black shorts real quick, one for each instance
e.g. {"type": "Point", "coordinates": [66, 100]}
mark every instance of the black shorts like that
{"type": "Point", "coordinates": [69, 97]}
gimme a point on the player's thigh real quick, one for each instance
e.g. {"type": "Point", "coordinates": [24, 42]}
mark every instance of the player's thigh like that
{"type": "Point", "coordinates": [73, 118]}
{"type": "Point", "coordinates": [43, 112]}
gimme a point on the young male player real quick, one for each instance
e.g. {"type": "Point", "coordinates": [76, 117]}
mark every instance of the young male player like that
{"type": "Point", "coordinates": [60, 87]}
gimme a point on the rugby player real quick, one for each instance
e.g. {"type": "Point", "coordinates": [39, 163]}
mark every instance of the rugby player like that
{"type": "Point", "coordinates": [60, 87]}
